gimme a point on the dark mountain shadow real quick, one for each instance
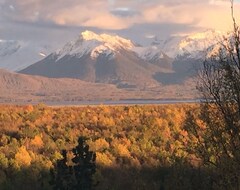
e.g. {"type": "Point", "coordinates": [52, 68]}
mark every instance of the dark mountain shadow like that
{"type": "Point", "coordinates": [171, 78]}
{"type": "Point", "coordinates": [183, 69]}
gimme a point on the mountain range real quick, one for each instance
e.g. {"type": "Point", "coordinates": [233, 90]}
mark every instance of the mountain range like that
{"type": "Point", "coordinates": [112, 59]}
{"type": "Point", "coordinates": [124, 67]}
{"type": "Point", "coordinates": [103, 59]}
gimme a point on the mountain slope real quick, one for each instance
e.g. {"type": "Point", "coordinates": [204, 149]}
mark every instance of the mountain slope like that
{"type": "Point", "coordinates": [99, 58]}
{"type": "Point", "coordinates": [20, 88]}
{"type": "Point", "coordinates": [154, 55]}
{"type": "Point", "coordinates": [185, 53]}
{"type": "Point", "coordinates": [188, 53]}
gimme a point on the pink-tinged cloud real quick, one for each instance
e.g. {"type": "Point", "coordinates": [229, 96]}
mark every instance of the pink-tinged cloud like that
{"type": "Point", "coordinates": [102, 13]}
{"type": "Point", "coordinates": [215, 14]}
{"type": "Point", "coordinates": [88, 16]}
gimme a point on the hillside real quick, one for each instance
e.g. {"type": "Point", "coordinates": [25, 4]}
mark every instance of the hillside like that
{"type": "Point", "coordinates": [20, 88]}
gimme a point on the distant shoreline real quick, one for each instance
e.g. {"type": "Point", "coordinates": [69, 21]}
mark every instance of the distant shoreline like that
{"type": "Point", "coordinates": [125, 102]}
{"type": "Point", "coordinates": [120, 102]}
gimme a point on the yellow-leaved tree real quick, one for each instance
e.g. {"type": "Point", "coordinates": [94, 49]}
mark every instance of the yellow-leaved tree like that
{"type": "Point", "coordinates": [22, 157]}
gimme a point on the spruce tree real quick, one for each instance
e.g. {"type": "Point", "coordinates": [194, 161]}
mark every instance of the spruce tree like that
{"type": "Point", "coordinates": [77, 176]}
{"type": "Point", "coordinates": [85, 166]}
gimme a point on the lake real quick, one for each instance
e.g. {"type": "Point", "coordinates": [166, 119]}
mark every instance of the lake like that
{"type": "Point", "coordinates": [122, 102]}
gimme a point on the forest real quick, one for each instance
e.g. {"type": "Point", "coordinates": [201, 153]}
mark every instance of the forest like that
{"type": "Point", "coordinates": [132, 143]}
{"type": "Point", "coordinates": [137, 147]}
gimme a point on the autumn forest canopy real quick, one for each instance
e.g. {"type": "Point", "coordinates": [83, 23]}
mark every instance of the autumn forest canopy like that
{"type": "Point", "coordinates": [137, 147]}
{"type": "Point", "coordinates": [132, 144]}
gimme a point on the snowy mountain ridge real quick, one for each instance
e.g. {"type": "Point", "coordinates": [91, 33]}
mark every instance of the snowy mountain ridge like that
{"type": "Point", "coordinates": [188, 46]}
{"type": "Point", "coordinates": [16, 55]}
{"type": "Point", "coordinates": [91, 43]}
{"type": "Point", "coordinates": [149, 53]}
{"type": "Point", "coordinates": [192, 46]}
{"type": "Point", "coordinates": [104, 44]}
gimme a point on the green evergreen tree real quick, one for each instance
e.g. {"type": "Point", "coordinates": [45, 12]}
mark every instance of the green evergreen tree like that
{"type": "Point", "coordinates": [78, 176]}
{"type": "Point", "coordinates": [85, 166]}
{"type": "Point", "coordinates": [62, 174]}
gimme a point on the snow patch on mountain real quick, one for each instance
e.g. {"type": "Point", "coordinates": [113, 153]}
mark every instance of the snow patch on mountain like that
{"type": "Point", "coordinates": [149, 53]}
{"type": "Point", "coordinates": [102, 50]}
{"type": "Point", "coordinates": [77, 48]}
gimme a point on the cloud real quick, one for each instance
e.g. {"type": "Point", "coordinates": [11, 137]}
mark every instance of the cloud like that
{"type": "Point", "coordinates": [120, 14]}
{"type": "Point", "coordinates": [89, 13]}
{"type": "Point", "coordinates": [203, 14]}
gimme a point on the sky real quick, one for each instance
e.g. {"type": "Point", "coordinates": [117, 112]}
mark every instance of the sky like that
{"type": "Point", "coordinates": [57, 21]}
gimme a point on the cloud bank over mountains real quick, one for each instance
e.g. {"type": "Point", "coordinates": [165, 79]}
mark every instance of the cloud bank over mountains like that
{"type": "Point", "coordinates": [136, 19]}
{"type": "Point", "coordinates": [116, 14]}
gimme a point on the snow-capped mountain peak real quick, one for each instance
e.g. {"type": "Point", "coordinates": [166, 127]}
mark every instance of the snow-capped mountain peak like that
{"type": "Point", "coordinates": [112, 40]}
{"type": "Point", "coordinates": [89, 35]}
{"type": "Point", "coordinates": [193, 45]}
{"type": "Point", "coordinates": [91, 43]}
{"type": "Point", "coordinates": [208, 34]}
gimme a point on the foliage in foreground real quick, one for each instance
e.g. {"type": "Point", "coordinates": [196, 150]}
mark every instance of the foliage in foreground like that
{"type": "Point", "coordinates": [131, 143]}
{"type": "Point", "coordinates": [137, 147]}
